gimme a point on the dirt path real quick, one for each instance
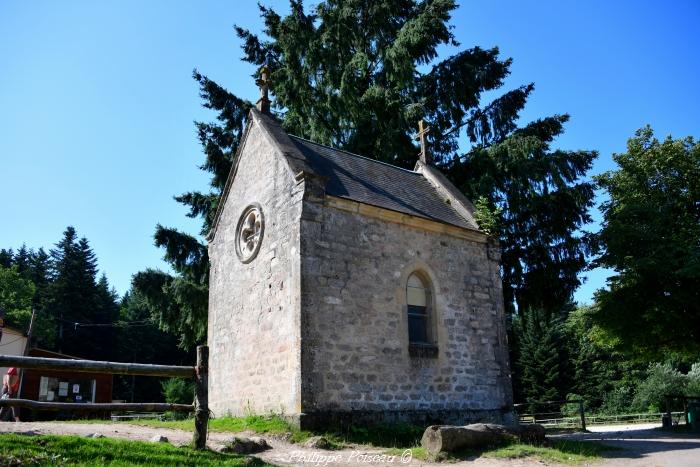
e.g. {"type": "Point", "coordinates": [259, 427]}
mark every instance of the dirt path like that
{"type": "Point", "coordinates": [645, 446]}
{"type": "Point", "coordinates": [639, 447]}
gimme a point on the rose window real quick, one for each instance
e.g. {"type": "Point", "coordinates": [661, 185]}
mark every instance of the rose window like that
{"type": "Point", "coordinates": [249, 233]}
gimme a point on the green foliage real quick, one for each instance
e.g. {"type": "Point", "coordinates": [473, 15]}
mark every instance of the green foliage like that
{"type": "Point", "coordinates": [79, 303]}
{"type": "Point", "coordinates": [563, 451]}
{"type": "Point", "coordinates": [692, 388]}
{"type": "Point", "coordinates": [539, 340]}
{"type": "Point", "coordinates": [593, 369]}
{"type": "Point", "coordinates": [617, 400]}
{"type": "Point", "coordinates": [399, 435]}
{"type": "Point", "coordinates": [75, 450]}
{"type": "Point", "coordinates": [33, 268]}
{"type": "Point", "coordinates": [487, 216]}
{"type": "Point", "coordinates": [542, 202]}
{"type": "Point", "coordinates": [177, 304]}
{"type": "Point", "coordinates": [571, 409]}
{"type": "Point", "coordinates": [263, 424]}
{"type": "Point", "coordinates": [16, 296]}
{"type": "Point", "coordinates": [178, 391]}
{"type": "Point", "coordinates": [650, 237]}
{"type": "Point", "coordinates": [663, 380]}
{"type": "Point", "coordinates": [80, 314]}
{"type": "Point", "coordinates": [140, 340]}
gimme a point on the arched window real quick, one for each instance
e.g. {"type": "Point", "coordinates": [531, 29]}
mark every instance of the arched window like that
{"type": "Point", "coordinates": [419, 302]}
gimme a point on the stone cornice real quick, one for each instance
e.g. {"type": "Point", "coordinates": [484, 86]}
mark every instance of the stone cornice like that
{"type": "Point", "coordinates": [405, 219]}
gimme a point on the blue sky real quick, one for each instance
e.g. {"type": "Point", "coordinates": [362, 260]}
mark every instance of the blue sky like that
{"type": "Point", "coordinates": [97, 102]}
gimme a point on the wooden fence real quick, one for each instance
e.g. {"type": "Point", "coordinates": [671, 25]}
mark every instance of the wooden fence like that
{"type": "Point", "coordinates": [549, 418]}
{"type": "Point", "coordinates": [200, 373]}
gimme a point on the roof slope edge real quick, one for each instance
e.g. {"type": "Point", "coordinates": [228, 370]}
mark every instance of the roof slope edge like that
{"type": "Point", "coordinates": [456, 198]}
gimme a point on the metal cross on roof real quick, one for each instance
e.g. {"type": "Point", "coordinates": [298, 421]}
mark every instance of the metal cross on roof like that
{"type": "Point", "coordinates": [420, 136]}
{"type": "Point", "coordinates": [263, 83]}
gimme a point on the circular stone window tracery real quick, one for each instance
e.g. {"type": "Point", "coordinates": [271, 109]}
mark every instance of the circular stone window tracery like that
{"type": "Point", "coordinates": [249, 233]}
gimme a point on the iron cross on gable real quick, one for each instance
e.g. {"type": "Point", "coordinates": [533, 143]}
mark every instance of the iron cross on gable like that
{"type": "Point", "coordinates": [420, 136]}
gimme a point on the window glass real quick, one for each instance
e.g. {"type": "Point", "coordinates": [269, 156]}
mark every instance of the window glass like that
{"type": "Point", "coordinates": [66, 389]}
{"type": "Point", "coordinates": [415, 291]}
{"type": "Point", "coordinates": [417, 299]}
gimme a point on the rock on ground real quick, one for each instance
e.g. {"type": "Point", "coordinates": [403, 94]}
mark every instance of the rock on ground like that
{"type": "Point", "coordinates": [317, 442]}
{"type": "Point", "coordinates": [240, 445]}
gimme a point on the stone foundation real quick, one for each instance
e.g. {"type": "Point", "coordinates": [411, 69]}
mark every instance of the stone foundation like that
{"type": "Point", "coordinates": [338, 420]}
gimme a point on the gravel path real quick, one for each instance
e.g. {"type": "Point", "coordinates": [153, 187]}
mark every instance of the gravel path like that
{"type": "Point", "coordinates": [646, 447]}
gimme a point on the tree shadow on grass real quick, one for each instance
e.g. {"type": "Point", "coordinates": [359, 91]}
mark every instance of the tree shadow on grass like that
{"type": "Point", "coordinates": [556, 450]}
{"type": "Point", "coordinates": [58, 450]}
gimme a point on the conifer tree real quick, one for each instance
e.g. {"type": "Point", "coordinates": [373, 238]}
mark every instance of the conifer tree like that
{"type": "Point", "coordinates": [39, 274]}
{"type": "Point", "coordinates": [75, 298]}
{"type": "Point", "coordinates": [539, 361]}
{"type": "Point", "coordinates": [6, 256]}
{"type": "Point", "coordinates": [22, 261]}
{"type": "Point", "coordinates": [140, 341]}
{"type": "Point", "coordinates": [359, 76]}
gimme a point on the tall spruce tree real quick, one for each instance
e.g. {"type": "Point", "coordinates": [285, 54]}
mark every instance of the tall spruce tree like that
{"type": "Point", "coordinates": [6, 255]}
{"type": "Point", "coordinates": [358, 76]}
{"type": "Point", "coordinates": [78, 304]}
{"type": "Point", "coordinates": [139, 340]}
{"type": "Point", "coordinates": [539, 339]}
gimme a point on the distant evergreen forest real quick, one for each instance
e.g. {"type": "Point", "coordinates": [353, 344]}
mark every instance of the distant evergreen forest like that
{"type": "Point", "coordinates": [79, 314]}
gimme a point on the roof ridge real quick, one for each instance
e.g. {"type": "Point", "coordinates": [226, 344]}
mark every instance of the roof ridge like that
{"type": "Point", "coordinates": [356, 155]}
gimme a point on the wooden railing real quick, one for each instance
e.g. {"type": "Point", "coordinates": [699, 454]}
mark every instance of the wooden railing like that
{"type": "Point", "coordinates": [545, 418]}
{"type": "Point", "coordinates": [200, 373]}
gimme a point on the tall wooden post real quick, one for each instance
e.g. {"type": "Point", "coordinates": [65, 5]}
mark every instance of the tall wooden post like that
{"type": "Point", "coordinates": [583, 415]}
{"type": "Point", "coordinates": [667, 419]}
{"type": "Point", "coordinates": [201, 402]}
{"type": "Point", "coordinates": [27, 347]}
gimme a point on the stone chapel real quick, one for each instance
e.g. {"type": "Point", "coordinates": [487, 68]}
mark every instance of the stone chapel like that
{"type": "Point", "coordinates": [347, 290]}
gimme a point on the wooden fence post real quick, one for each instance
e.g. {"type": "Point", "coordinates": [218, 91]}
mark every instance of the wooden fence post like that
{"type": "Point", "coordinates": [583, 415]}
{"type": "Point", "coordinates": [201, 412]}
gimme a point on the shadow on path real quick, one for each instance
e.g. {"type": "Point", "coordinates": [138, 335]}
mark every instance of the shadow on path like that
{"type": "Point", "coordinates": [665, 448]}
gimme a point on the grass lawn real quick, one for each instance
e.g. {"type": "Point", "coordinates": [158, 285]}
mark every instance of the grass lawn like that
{"type": "Point", "coordinates": [395, 438]}
{"type": "Point", "coordinates": [565, 452]}
{"type": "Point", "coordinates": [74, 450]}
{"type": "Point", "coordinates": [398, 436]}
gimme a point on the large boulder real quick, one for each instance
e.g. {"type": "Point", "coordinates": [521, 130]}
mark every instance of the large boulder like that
{"type": "Point", "coordinates": [240, 445]}
{"type": "Point", "coordinates": [446, 438]}
{"type": "Point", "coordinates": [317, 442]}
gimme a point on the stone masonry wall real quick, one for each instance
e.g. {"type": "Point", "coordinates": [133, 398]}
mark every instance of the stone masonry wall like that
{"type": "Point", "coordinates": [355, 327]}
{"type": "Point", "coordinates": [254, 329]}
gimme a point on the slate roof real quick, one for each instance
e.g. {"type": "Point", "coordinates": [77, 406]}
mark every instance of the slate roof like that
{"type": "Point", "coordinates": [379, 184]}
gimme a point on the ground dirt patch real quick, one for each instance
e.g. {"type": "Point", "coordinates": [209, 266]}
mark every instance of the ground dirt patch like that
{"type": "Point", "coordinates": [638, 448]}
